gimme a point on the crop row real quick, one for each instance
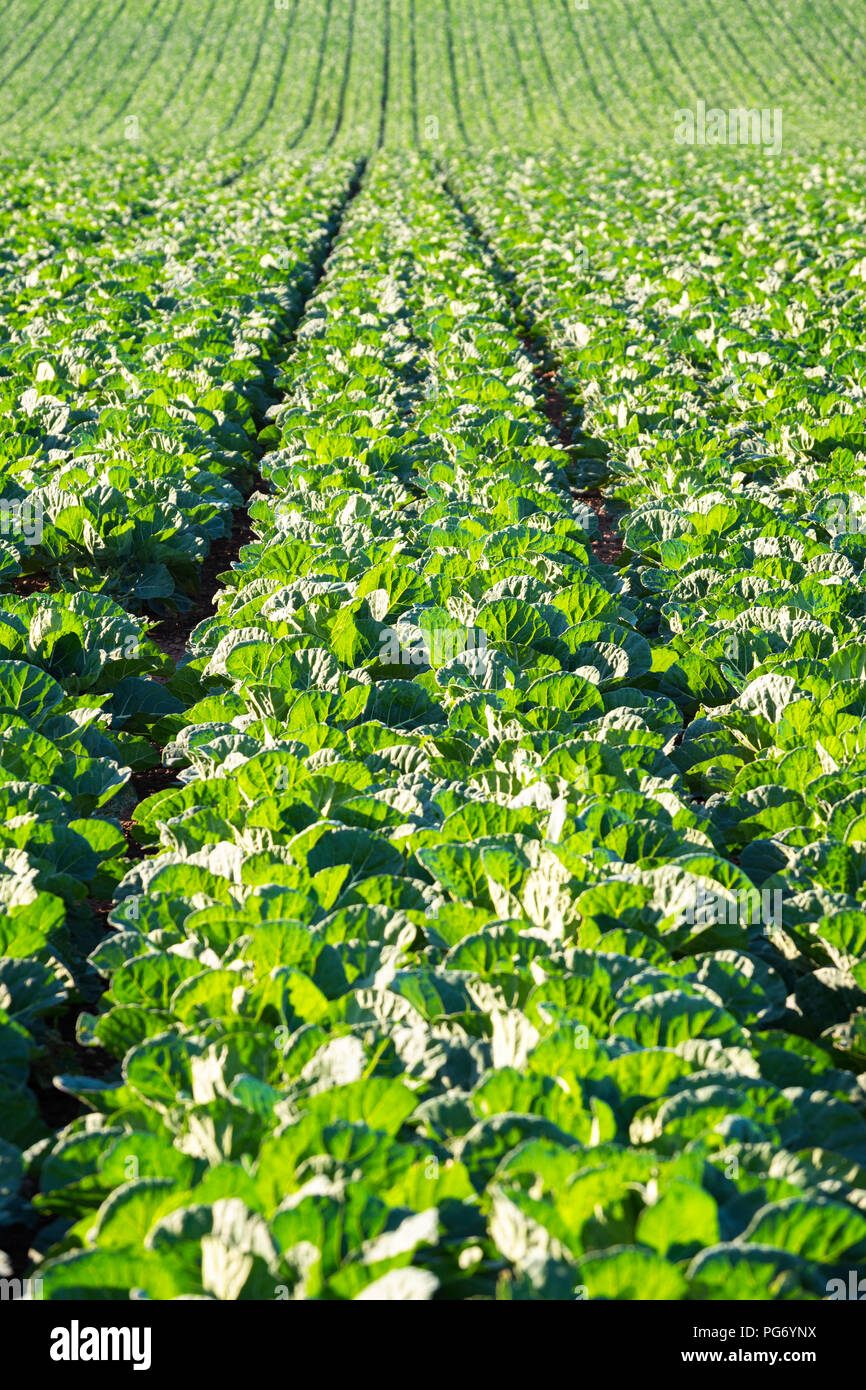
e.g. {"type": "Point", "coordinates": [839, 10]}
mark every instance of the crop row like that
{"type": "Point", "coordinates": [133, 368]}
{"type": "Point", "coordinates": [723, 396]}
{"type": "Point", "coordinates": [316, 74]}
{"type": "Point", "coordinates": [132, 421]}
{"type": "Point", "coordinates": [451, 970]}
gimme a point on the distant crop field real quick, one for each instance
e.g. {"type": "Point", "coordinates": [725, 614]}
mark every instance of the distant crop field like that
{"type": "Point", "coordinates": [432, 650]}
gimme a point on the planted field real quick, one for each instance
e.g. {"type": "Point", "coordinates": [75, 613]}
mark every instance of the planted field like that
{"type": "Point", "coordinates": [432, 650]}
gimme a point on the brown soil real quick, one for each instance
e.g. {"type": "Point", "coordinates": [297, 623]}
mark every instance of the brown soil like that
{"type": "Point", "coordinates": [607, 545]}
{"type": "Point", "coordinates": [27, 584]}
{"type": "Point", "coordinates": [154, 779]}
{"type": "Point", "coordinates": [172, 634]}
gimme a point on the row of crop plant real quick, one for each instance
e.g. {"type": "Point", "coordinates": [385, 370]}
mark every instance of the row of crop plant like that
{"type": "Point", "coordinates": [417, 995]}
{"type": "Point", "coordinates": [719, 362]}
{"type": "Point", "coordinates": [136, 365]}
